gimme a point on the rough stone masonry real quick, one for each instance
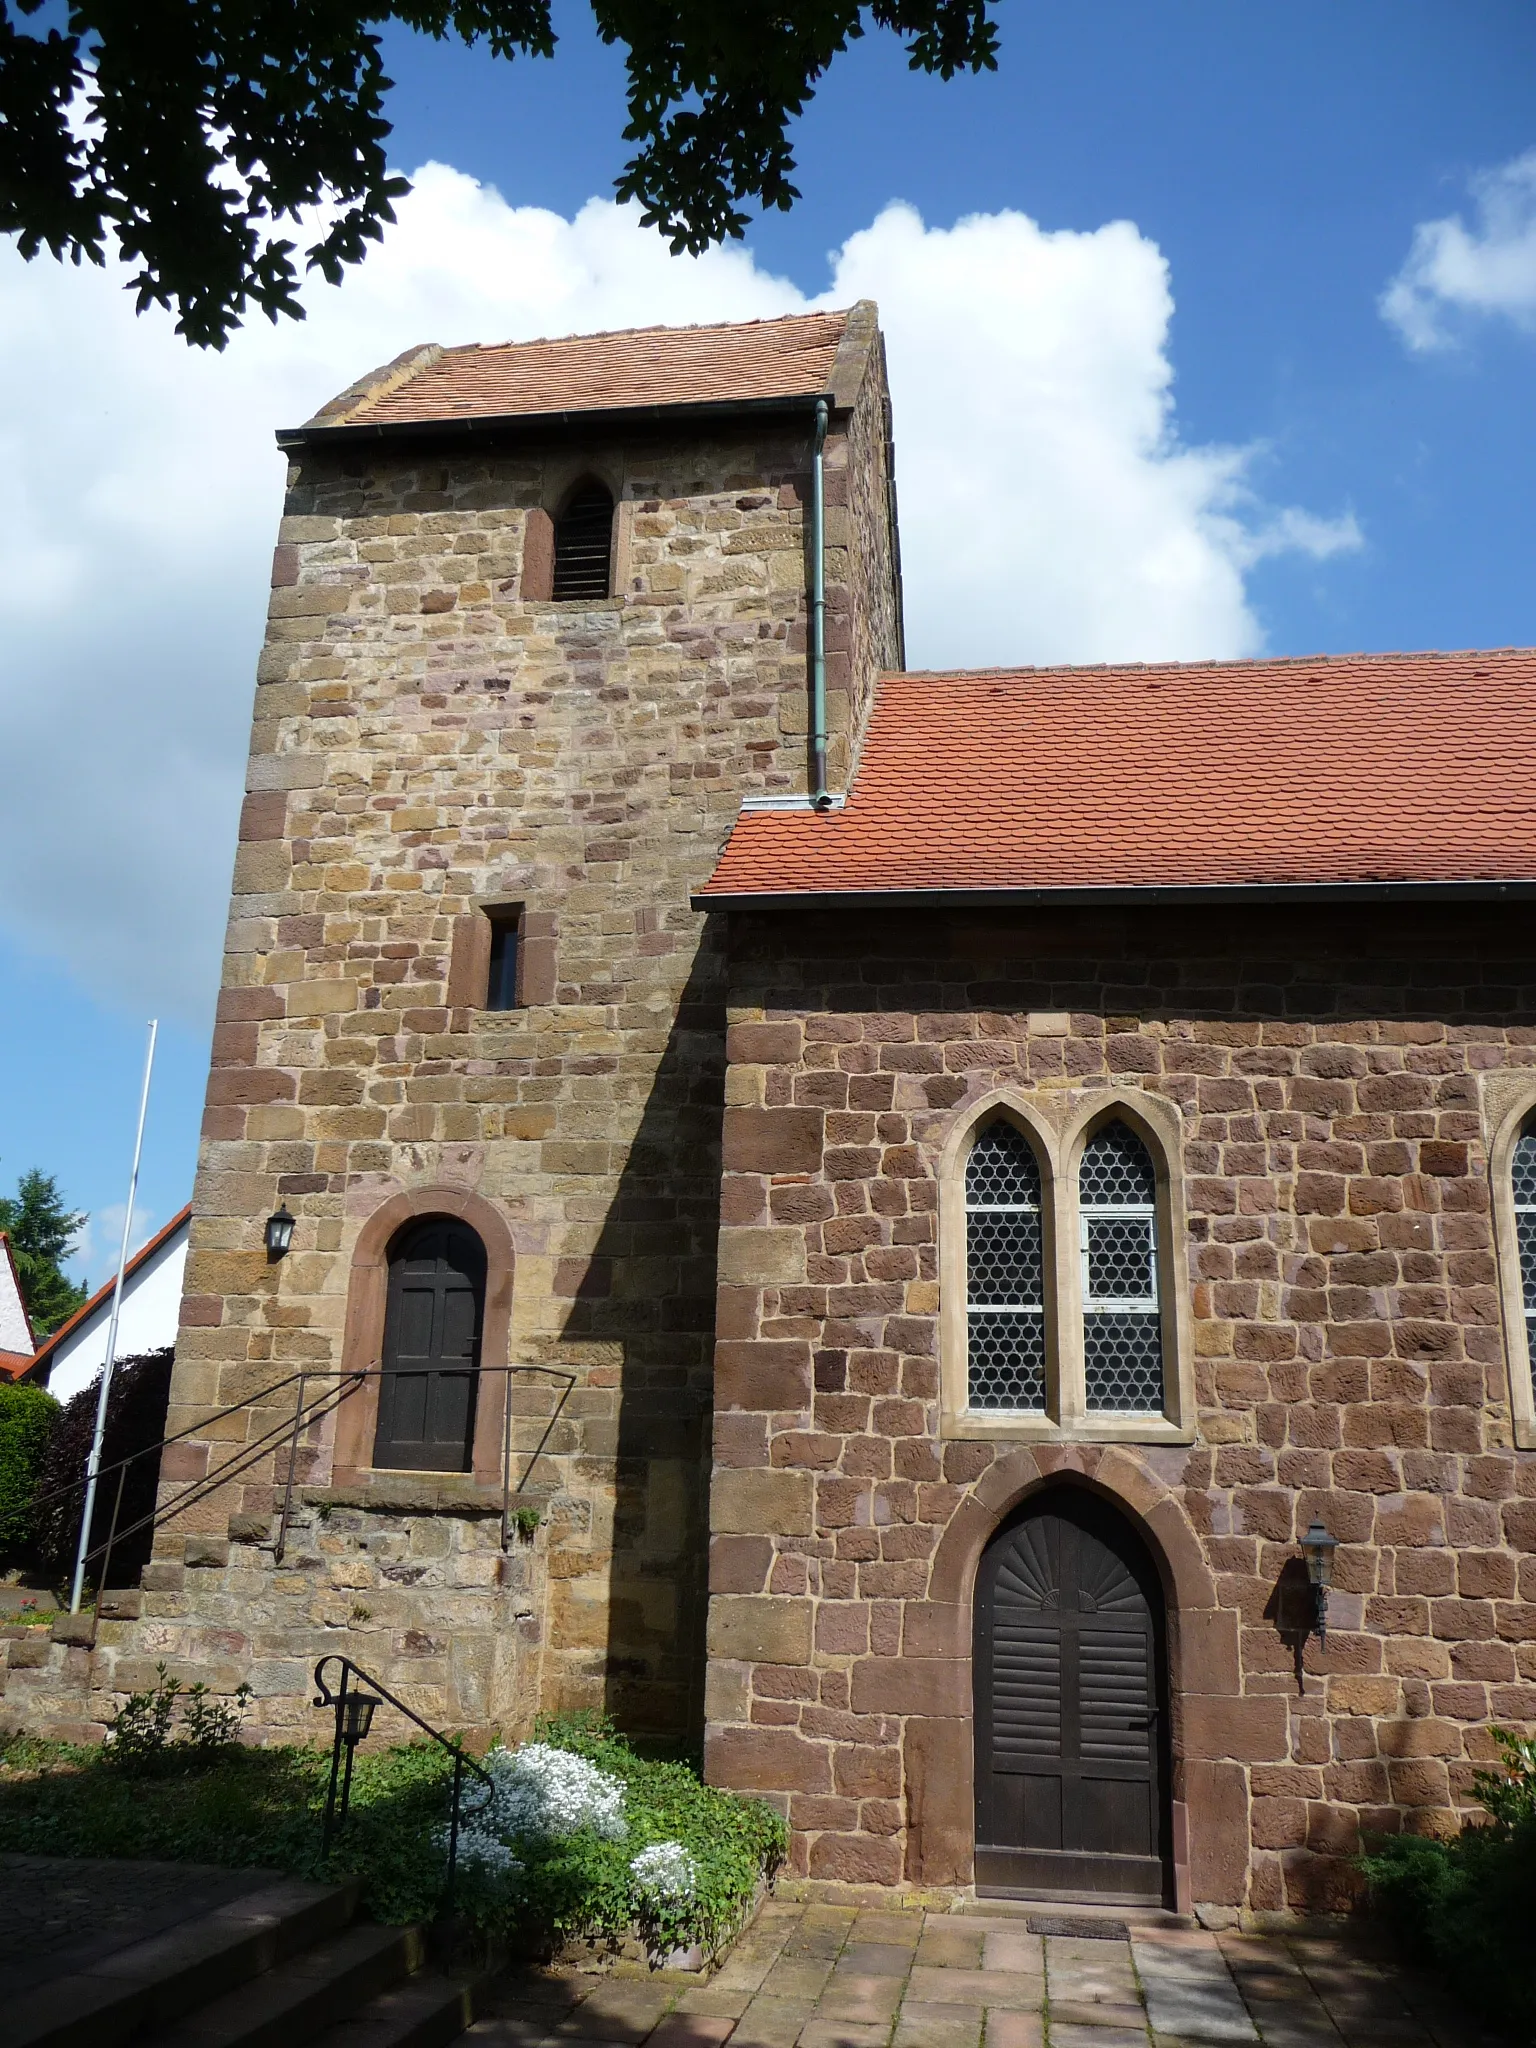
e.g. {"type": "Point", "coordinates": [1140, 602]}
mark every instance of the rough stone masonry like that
{"type": "Point", "coordinates": [714, 1158]}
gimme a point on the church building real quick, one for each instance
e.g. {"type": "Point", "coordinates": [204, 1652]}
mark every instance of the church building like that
{"type": "Point", "coordinates": [963, 1240]}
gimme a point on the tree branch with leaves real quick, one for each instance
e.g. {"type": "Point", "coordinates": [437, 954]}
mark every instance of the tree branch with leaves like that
{"type": "Point", "coordinates": [183, 133]}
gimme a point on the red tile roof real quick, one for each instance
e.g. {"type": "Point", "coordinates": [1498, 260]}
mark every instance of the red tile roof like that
{"type": "Point", "coordinates": [641, 366]}
{"type": "Point", "coordinates": [1334, 769]}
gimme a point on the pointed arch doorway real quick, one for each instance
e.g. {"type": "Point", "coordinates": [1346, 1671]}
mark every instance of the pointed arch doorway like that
{"type": "Point", "coordinates": [1071, 1707]}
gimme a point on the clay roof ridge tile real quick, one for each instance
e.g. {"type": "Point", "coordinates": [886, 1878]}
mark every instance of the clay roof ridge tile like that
{"type": "Point", "coordinates": [491, 348]}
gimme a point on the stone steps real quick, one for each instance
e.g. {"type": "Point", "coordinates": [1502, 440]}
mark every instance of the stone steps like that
{"type": "Point", "coordinates": [282, 1965]}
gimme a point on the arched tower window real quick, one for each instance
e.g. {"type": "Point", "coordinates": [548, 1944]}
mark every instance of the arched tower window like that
{"type": "Point", "coordinates": [431, 1361]}
{"type": "Point", "coordinates": [1522, 1173]}
{"type": "Point", "coordinates": [1122, 1319]}
{"type": "Point", "coordinates": [584, 542]}
{"type": "Point", "coordinates": [1005, 1273]}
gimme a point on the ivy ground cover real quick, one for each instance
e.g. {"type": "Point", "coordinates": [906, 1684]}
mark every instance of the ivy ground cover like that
{"type": "Point", "coordinates": [582, 1836]}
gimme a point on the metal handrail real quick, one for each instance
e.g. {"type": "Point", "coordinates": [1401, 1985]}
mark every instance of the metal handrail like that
{"type": "Point", "coordinates": [353, 1709]}
{"type": "Point", "coordinates": [340, 1385]}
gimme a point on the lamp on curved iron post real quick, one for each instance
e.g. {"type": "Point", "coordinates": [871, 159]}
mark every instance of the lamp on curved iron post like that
{"type": "Point", "coordinates": [1317, 1548]}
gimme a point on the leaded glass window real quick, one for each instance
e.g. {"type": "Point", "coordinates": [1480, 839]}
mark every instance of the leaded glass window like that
{"type": "Point", "coordinates": [1122, 1323]}
{"type": "Point", "coordinates": [1005, 1273]}
{"type": "Point", "coordinates": [1523, 1177]}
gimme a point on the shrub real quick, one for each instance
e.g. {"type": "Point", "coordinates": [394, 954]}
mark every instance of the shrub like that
{"type": "Point", "coordinates": [27, 1419]}
{"type": "Point", "coordinates": [1468, 1905]}
{"type": "Point", "coordinates": [143, 1737]}
{"type": "Point", "coordinates": [136, 1409]}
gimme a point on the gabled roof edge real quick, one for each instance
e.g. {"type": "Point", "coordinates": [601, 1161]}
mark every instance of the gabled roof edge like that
{"type": "Point", "coordinates": [87, 1309]}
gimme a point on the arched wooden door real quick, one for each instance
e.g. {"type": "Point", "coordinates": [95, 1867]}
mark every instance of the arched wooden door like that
{"type": "Point", "coordinates": [1071, 1707]}
{"type": "Point", "coordinates": [431, 1348]}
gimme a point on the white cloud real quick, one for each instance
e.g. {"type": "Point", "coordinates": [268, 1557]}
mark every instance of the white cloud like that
{"type": "Point", "coordinates": [94, 1258]}
{"type": "Point", "coordinates": [1455, 273]}
{"type": "Point", "coordinates": [1049, 511]}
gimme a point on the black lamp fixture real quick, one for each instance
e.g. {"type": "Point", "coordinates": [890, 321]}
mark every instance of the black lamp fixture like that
{"type": "Point", "coordinates": [279, 1233]}
{"type": "Point", "coordinates": [358, 1717]}
{"type": "Point", "coordinates": [1317, 1548]}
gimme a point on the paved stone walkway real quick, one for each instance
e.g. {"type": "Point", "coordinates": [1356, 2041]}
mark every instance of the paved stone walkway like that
{"type": "Point", "coordinates": [60, 1914]}
{"type": "Point", "coordinates": [836, 1977]}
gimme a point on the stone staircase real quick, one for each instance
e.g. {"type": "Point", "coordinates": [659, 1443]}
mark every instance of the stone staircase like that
{"type": "Point", "coordinates": [281, 1965]}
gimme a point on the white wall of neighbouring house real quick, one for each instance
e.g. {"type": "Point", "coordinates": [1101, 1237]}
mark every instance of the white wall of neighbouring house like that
{"type": "Point", "coordinates": [151, 1307]}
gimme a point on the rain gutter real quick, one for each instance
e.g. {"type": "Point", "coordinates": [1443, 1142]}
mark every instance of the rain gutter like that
{"type": "Point", "coordinates": [1150, 897]}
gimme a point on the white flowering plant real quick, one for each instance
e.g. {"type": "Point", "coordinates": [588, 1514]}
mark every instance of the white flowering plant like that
{"type": "Point", "coordinates": [580, 1835]}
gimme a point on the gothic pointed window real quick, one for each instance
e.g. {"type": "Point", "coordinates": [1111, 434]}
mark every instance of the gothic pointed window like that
{"type": "Point", "coordinates": [1523, 1189]}
{"type": "Point", "coordinates": [584, 543]}
{"type": "Point", "coordinates": [1122, 1317]}
{"type": "Point", "coordinates": [1005, 1273]}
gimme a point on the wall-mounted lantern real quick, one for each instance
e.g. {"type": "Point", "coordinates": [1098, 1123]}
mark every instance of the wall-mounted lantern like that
{"type": "Point", "coordinates": [279, 1233]}
{"type": "Point", "coordinates": [1317, 1548]}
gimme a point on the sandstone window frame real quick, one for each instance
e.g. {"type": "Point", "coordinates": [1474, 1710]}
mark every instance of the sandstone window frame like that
{"type": "Point", "coordinates": [562, 478]}
{"type": "Point", "coordinates": [469, 957]}
{"type": "Point", "coordinates": [1510, 1100]}
{"type": "Point", "coordinates": [1059, 1124]}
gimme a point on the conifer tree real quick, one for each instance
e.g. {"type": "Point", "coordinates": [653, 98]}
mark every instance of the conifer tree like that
{"type": "Point", "coordinates": [42, 1234]}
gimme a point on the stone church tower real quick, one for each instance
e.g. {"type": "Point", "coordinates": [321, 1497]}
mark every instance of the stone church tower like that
{"type": "Point", "coordinates": [539, 625]}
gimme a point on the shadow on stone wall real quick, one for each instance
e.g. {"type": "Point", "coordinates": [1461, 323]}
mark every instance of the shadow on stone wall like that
{"type": "Point", "coordinates": [649, 1291]}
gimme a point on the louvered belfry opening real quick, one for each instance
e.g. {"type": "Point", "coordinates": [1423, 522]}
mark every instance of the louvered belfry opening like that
{"type": "Point", "coordinates": [584, 543]}
{"type": "Point", "coordinates": [1071, 1707]}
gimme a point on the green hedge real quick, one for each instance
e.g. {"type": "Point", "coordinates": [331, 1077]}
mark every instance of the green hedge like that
{"type": "Point", "coordinates": [1468, 1906]}
{"type": "Point", "coordinates": [27, 1418]}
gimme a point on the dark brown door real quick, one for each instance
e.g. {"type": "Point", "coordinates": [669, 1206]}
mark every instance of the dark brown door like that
{"type": "Point", "coordinates": [1069, 1707]}
{"type": "Point", "coordinates": [431, 1349]}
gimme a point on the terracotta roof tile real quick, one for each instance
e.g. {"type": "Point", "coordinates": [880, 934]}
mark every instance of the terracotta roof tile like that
{"type": "Point", "coordinates": [642, 366]}
{"type": "Point", "coordinates": [1342, 768]}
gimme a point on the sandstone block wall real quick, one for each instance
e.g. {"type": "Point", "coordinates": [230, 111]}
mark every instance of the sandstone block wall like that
{"type": "Point", "coordinates": [425, 741]}
{"type": "Point", "coordinates": [1335, 1074]}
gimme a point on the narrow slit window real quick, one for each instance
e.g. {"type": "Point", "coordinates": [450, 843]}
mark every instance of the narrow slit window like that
{"type": "Point", "coordinates": [1122, 1318]}
{"type": "Point", "coordinates": [1523, 1178]}
{"type": "Point", "coordinates": [1005, 1274]}
{"type": "Point", "coordinates": [502, 986]}
{"type": "Point", "coordinates": [584, 543]}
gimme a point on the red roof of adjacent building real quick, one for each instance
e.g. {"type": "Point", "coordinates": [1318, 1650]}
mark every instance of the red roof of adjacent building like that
{"type": "Point", "coordinates": [1353, 769]}
{"type": "Point", "coordinates": [638, 367]}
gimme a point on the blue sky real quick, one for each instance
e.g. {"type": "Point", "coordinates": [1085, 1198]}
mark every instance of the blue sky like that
{"type": "Point", "coordinates": [1280, 160]}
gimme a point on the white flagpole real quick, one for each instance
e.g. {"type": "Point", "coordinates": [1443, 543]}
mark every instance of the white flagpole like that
{"type": "Point", "coordinates": [93, 1465]}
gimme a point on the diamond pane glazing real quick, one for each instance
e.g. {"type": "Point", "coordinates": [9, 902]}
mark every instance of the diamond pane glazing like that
{"type": "Point", "coordinates": [1523, 1171]}
{"type": "Point", "coordinates": [1006, 1367]}
{"type": "Point", "coordinates": [1120, 1258]}
{"type": "Point", "coordinates": [1525, 1234]}
{"type": "Point", "coordinates": [1003, 1257]}
{"type": "Point", "coordinates": [1115, 1169]}
{"type": "Point", "coordinates": [1002, 1169]}
{"type": "Point", "coordinates": [1123, 1358]}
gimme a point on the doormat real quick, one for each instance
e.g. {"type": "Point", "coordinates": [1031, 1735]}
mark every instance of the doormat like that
{"type": "Point", "coordinates": [1080, 1930]}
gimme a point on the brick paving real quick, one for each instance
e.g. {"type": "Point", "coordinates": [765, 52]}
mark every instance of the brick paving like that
{"type": "Point", "coordinates": [810, 1976]}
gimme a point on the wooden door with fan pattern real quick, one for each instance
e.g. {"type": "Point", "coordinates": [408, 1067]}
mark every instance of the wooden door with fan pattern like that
{"type": "Point", "coordinates": [1069, 1708]}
